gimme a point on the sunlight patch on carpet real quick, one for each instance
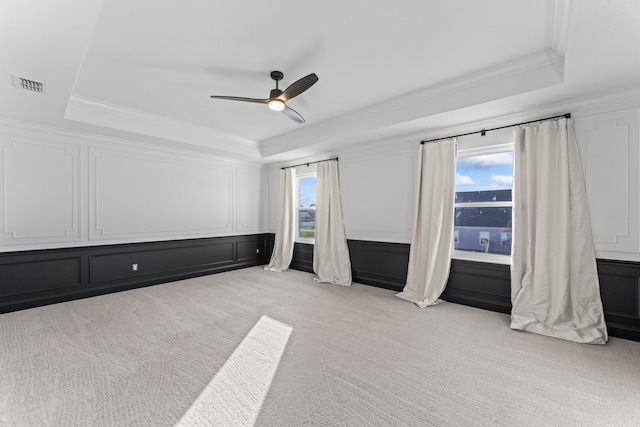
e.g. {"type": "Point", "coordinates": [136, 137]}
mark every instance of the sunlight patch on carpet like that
{"type": "Point", "coordinates": [236, 393]}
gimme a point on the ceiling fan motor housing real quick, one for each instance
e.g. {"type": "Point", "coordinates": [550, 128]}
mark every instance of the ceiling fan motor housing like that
{"type": "Point", "coordinates": [277, 75]}
{"type": "Point", "coordinates": [275, 93]}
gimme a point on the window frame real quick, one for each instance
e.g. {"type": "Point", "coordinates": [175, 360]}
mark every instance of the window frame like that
{"type": "Point", "coordinates": [481, 256]}
{"type": "Point", "coordinates": [299, 176]}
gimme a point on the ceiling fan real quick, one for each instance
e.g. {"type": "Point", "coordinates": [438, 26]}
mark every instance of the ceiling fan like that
{"type": "Point", "coordinates": [278, 98]}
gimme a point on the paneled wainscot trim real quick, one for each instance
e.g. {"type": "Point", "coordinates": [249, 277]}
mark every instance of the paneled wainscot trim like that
{"type": "Point", "coordinates": [485, 285]}
{"type": "Point", "coordinates": [34, 278]}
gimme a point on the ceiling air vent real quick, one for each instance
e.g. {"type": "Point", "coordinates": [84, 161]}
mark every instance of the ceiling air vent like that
{"type": "Point", "coordinates": [29, 85]}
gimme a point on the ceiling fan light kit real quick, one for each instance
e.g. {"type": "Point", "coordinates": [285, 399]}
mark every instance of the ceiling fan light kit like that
{"type": "Point", "coordinates": [276, 105]}
{"type": "Point", "coordinates": [277, 100]}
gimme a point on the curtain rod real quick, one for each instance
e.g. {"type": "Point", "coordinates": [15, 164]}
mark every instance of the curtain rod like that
{"type": "Point", "coordinates": [484, 131]}
{"type": "Point", "coordinates": [309, 163]}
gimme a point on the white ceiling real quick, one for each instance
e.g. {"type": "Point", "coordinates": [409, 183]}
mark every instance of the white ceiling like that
{"type": "Point", "coordinates": [144, 70]}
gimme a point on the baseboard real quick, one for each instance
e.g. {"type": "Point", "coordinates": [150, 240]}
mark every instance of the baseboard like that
{"type": "Point", "coordinates": [34, 278]}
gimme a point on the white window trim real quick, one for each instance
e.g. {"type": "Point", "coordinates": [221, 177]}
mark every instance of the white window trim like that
{"type": "Point", "coordinates": [485, 205]}
{"type": "Point", "coordinates": [481, 256]}
{"type": "Point", "coordinates": [301, 175]}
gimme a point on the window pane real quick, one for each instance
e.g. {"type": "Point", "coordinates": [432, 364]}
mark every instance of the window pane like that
{"type": "Point", "coordinates": [306, 207]}
{"type": "Point", "coordinates": [484, 173]}
{"type": "Point", "coordinates": [483, 196]}
{"type": "Point", "coordinates": [484, 179]}
{"type": "Point", "coordinates": [307, 191]}
{"type": "Point", "coordinates": [486, 229]}
{"type": "Point", "coordinates": [307, 223]}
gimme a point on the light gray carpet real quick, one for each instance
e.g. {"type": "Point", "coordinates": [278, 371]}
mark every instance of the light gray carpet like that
{"type": "Point", "coordinates": [356, 356]}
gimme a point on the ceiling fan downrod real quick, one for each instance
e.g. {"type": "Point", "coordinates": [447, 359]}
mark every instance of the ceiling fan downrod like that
{"type": "Point", "coordinates": [277, 76]}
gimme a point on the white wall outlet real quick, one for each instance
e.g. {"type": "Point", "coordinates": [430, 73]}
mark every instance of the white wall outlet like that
{"type": "Point", "coordinates": [257, 251]}
{"type": "Point", "coordinates": [134, 267]}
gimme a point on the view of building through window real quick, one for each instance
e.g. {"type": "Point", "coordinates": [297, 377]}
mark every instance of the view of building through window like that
{"type": "Point", "coordinates": [307, 207]}
{"type": "Point", "coordinates": [483, 203]}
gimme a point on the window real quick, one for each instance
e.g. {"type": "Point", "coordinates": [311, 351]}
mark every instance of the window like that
{"type": "Point", "coordinates": [483, 205]}
{"type": "Point", "coordinates": [306, 208]}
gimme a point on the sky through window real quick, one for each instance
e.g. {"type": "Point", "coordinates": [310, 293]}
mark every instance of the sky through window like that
{"type": "Point", "coordinates": [485, 173]}
{"type": "Point", "coordinates": [307, 192]}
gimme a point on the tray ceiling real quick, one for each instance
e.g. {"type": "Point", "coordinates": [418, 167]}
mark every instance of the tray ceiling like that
{"type": "Point", "coordinates": [144, 70]}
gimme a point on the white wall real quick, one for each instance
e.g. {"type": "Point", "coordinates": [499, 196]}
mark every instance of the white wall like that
{"type": "Point", "coordinates": [609, 142]}
{"type": "Point", "coordinates": [64, 189]}
{"type": "Point", "coordinates": [378, 179]}
{"type": "Point", "coordinates": [61, 189]}
{"type": "Point", "coordinates": [377, 188]}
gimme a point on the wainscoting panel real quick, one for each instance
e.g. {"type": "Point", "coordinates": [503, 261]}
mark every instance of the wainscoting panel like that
{"type": "Point", "coordinates": [33, 278]}
{"type": "Point", "coordinates": [24, 275]}
{"type": "Point", "coordinates": [274, 195]}
{"type": "Point", "coordinates": [302, 257]}
{"type": "Point", "coordinates": [153, 262]}
{"type": "Point", "coordinates": [610, 152]}
{"type": "Point", "coordinates": [486, 285]}
{"type": "Point", "coordinates": [249, 249]}
{"type": "Point", "coordinates": [372, 263]}
{"type": "Point", "coordinates": [146, 196]}
{"type": "Point", "coordinates": [620, 292]}
{"type": "Point", "coordinates": [379, 264]}
{"type": "Point", "coordinates": [251, 193]}
{"type": "Point", "coordinates": [479, 284]}
{"type": "Point", "coordinates": [39, 192]}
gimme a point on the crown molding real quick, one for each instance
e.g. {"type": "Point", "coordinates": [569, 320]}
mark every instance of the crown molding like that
{"type": "Point", "coordinates": [578, 107]}
{"type": "Point", "coordinates": [525, 74]}
{"type": "Point", "coordinates": [46, 132]}
{"type": "Point", "coordinates": [95, 112]}
{"type": "Point", "coordinates": [562, 25]}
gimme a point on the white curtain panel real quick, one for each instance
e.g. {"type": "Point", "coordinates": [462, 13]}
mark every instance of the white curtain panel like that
{"type": "Point", "coordinates": [432, 239]}
{"type": "Point", "coordinates": [286, 226]}
{"type": "Point", "coordinates": [554, 280]}
{"type": "Point", "coordinates": [331, 261]}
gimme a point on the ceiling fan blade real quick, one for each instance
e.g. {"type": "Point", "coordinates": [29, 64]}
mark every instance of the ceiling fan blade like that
{"type": "Point", "coordinates": [293, 114]}
{"type": "Point", "coordinates": [238, 98]}
{"type": "Point", "coordinates": [299, 86]}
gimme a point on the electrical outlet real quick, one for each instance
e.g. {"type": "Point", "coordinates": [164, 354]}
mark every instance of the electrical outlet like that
{"type": "Point", "coordinates": [134, 267]}
{"type": "Point", "coordinates": [257, 251]}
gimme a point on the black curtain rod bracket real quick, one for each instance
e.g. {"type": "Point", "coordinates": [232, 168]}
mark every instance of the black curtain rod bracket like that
{"type": "Point", "coordinates": [309, 163]}
{"type": "Point", "coordinates": [483, 132]}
